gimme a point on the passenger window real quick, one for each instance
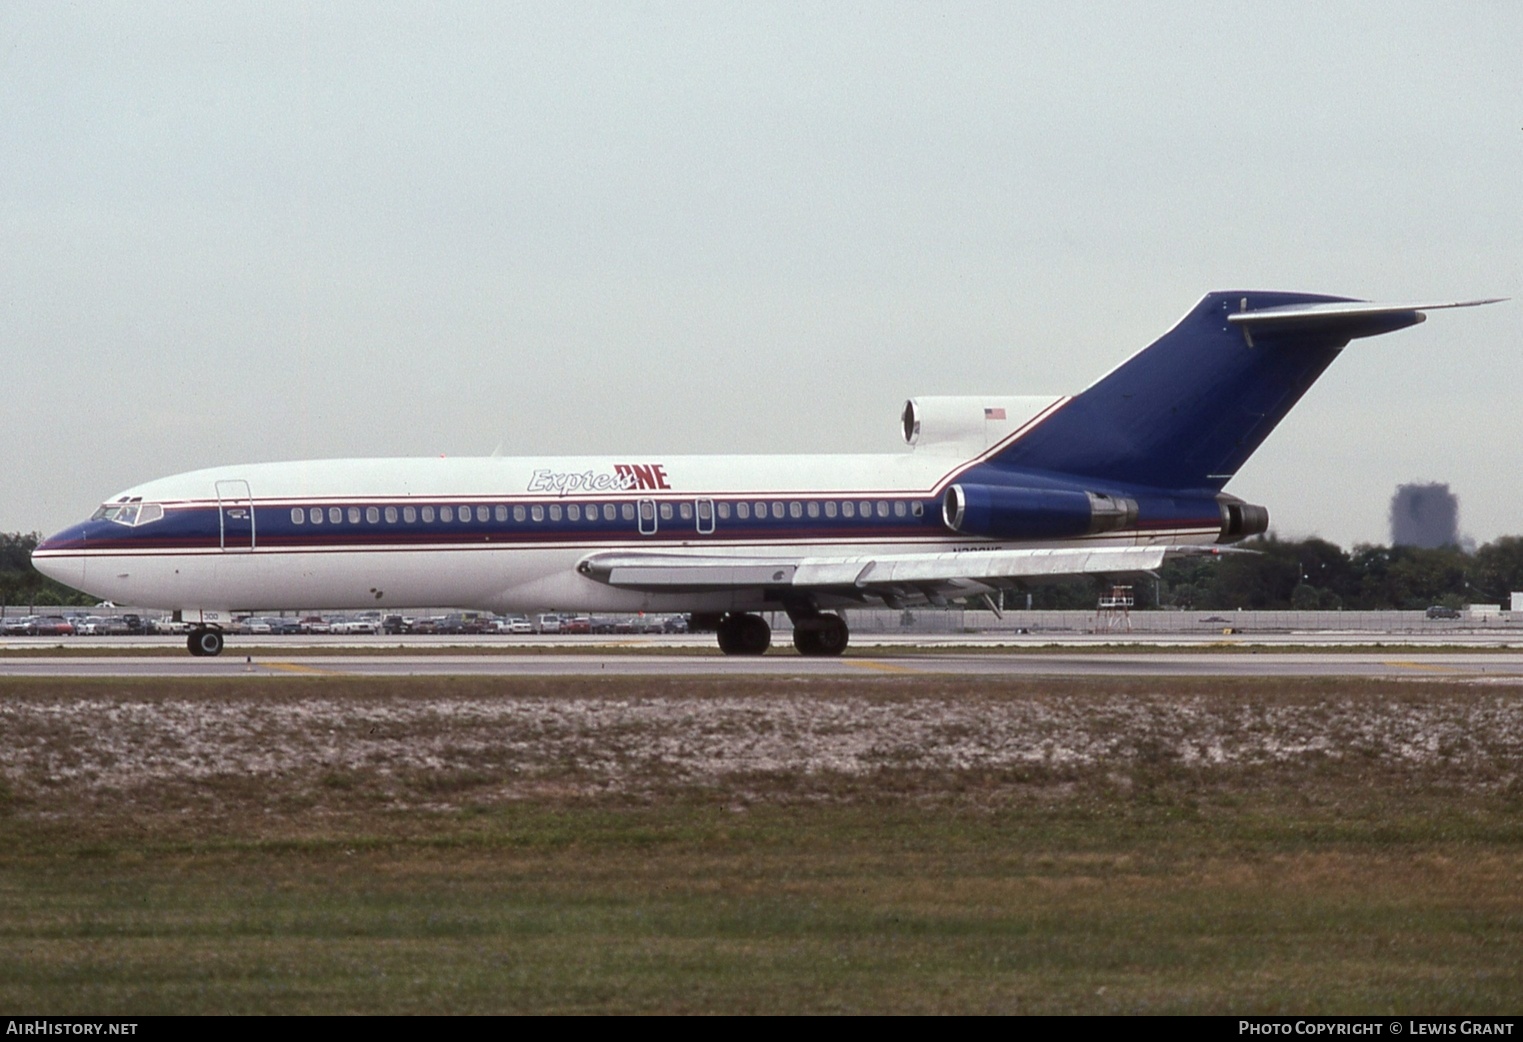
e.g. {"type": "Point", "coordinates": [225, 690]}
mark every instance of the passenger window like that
{"type": "Point", "coordinates": [883, 508]}
{"type": "Point", "coordinates": [724, 511]}
{"type": "Point", "coordinates": [627, 511]}
{"type": "Point", "coordinates": [848, 509]}
{"type": "Point", "coordinates": [372, 515]}
{"type": "Point", "coordinates": [391, 515]}
{"type": "Point", "coordinates": [899, 508]}
{"type": "Point", "coordinates": [743, 511]}
{"type": "Point", "coordinates": [830, 508]}
{"type": "Point", "coordinates": [298, 516]}
{"type": "Point", "coordinates": [537, 512]}
{"type": "Point", "coordinates": [610, 512]}
{"type": "Point", "coordinates": [500, 512]}
{"type": "Point", "coordinates": [795, 510]}
{"type": "Point", "coordinates": [814, 509]}
{"type": "Point", "coordinates": [666, 511]}
{"type": "Point", "coordinates": [574, 512]}
{"type": "Point", "coordinates": [555, 511]}
{"type": "Point", "coordinates": [917, 508]}
{"type": "Point", "coordinates": [446, 513]}
{"type": "Point", "coordinates": [409, 515]}
{"type": "Point", "coordinates": [519, 513]}
{"type": "Point", "coordinates": [685, 511]}
{"type": "Point", "coordinates": [335, 515]}
{"type": "Point", "coordinates": [428, 513]}
{"type": "Point", "coordinates": [354, 515]}
{"type": "Point", "coordinates": [316, 515]}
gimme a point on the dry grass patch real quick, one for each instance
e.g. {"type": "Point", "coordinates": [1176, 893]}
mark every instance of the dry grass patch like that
{"type": "Point", "coordinates": [877, 844]}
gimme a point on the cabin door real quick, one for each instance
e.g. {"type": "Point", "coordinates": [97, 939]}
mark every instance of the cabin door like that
{"type": "Point", "coordinates": [235, 513]}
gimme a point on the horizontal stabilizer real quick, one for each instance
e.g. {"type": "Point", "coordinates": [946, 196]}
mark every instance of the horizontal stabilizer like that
{"type": "Point", "coordinates": [1354, 317]}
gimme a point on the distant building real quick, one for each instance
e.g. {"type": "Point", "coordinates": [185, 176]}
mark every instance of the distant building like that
{"type": "Point", "coordinates": [1425, 516]}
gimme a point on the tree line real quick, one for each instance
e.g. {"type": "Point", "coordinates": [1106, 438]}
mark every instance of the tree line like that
{"type": "Point", "coordinates": [1314, 574]}
{"type": "Point", "coordinates": [20, 583]}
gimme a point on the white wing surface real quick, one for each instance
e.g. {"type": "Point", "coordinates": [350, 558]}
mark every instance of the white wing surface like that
{"type": "Point", "coordinates": [894, 578]}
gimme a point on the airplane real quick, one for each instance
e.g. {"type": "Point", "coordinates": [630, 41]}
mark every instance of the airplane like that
{"type": "Point", "coordinates": [994, 492]}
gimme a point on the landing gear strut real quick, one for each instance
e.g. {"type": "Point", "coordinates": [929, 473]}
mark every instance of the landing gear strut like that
{"type": "Point", "coordinates": [744, 635]}
{"type": "Point", "coordinates": [820, 634]}
{"type": "Point", "coordinates": [204, 642]}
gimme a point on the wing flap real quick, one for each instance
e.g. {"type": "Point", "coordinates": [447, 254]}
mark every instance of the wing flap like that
{"type": "Point", "coordinates": [657, 573]}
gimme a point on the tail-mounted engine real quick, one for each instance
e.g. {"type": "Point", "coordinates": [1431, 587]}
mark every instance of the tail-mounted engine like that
{"type": "Point", "coordinates": [965, 426]}
{"type": "Point", "coordinates": [1240, 520]}
{"type": "Point", "coordinates": [997, 512]}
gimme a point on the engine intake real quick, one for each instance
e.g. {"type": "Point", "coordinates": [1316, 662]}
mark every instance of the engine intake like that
{"type": "Point", "coordinates": [997, 512]}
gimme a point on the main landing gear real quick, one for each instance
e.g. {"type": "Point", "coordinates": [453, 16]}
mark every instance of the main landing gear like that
{"type": "Point", "coordinates": [820, 633]}
{"type": "Point", "coordinates": [744, 635]}
{"type": "Point", "coordinates": [204, 642]}
{"type": "Point", "coordinates": [814, 633]}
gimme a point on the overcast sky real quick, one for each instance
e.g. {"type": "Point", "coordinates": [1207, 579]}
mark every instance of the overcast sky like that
{"type": "Point", "coordinates": [243, 232]}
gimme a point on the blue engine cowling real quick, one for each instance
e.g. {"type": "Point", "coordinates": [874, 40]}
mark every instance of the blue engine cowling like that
{"type": "Point", "coordinates": [999, 512]}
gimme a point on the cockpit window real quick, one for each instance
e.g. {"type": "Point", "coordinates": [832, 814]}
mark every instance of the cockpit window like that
{"type": "Point", "coordinates": [131, 513]}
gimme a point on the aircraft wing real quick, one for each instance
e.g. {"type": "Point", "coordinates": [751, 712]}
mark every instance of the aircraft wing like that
{"type": "Point", "coordinates": [893, 578]}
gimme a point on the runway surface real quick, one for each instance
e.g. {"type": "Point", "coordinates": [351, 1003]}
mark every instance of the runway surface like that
{"type": "Point", "coordinates": [1389, 662]}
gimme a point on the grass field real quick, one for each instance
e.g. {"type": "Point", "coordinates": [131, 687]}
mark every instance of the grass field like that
{"type": "Point", "coordinates": [885, 844]}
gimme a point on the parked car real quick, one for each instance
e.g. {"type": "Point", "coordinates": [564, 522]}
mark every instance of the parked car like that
{"type": "Point", "coordinates": [1439, 611]}
{"type": "Point", "coordinates": [51, 626]}
{"type": "Point", "coordinates": [464, 622]}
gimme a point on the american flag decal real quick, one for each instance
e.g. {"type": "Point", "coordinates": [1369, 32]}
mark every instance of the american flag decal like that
{"type": "Point", "coordinates": [994, 414]}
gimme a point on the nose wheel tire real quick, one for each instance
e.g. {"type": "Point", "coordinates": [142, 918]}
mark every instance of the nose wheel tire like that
{"type": "Point", "coordinates": [744, 635]}
{"type": "Point", "coordinates": [204, 643]}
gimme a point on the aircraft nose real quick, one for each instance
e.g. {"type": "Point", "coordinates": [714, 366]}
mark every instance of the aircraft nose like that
{"type": "Point", "coordinates": [56, 558]}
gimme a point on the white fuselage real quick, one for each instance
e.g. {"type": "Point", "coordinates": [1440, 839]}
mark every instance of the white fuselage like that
{"type": "Point", "coordinates": [372, 533]}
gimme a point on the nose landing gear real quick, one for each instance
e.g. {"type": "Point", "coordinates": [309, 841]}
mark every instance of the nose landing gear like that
{"type": "Point", "coordinates": [204, 642]}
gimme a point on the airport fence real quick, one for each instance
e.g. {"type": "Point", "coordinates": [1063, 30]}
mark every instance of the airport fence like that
{"type": "Point", "coordinates": [961, 620]}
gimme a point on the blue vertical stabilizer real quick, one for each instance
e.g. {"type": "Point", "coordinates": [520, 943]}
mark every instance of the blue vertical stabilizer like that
{"type": "Point", "coordinates": [1187, 411]}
